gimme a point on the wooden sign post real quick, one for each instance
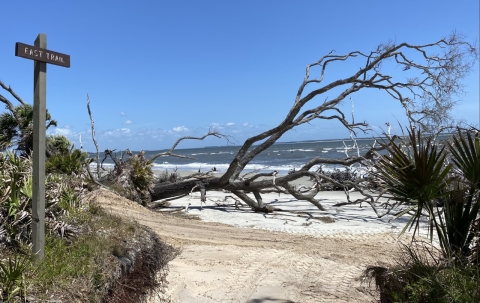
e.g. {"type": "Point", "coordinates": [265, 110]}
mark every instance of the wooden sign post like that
{"type": "Point", "coordinates": [42, 56]}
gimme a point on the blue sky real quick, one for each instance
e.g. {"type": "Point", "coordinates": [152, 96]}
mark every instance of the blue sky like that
{"type": "Point", "coordinates": [158, 70]}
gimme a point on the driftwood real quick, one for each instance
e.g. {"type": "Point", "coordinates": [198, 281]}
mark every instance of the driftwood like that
{"type": "Point", "coordinates": [93, 135]}
{"type": "Point", "coordinates": [434, 74]}
{"type": "Point", "coordinates": [437, 81]}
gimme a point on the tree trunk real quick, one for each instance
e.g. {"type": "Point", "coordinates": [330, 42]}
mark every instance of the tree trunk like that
{"type": "Point", "coordinates": [163, 191]}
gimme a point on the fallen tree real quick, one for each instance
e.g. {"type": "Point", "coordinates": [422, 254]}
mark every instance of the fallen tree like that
{"type": "Point", "coordinates": [426, 88]}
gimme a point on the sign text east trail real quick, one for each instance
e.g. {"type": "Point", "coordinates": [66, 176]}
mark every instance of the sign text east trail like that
{"type": "Point", "coordinates": [41, 54]}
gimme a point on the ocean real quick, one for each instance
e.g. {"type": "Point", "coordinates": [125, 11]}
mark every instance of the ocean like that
{"type": "Point", "coordinates": [281, 157]}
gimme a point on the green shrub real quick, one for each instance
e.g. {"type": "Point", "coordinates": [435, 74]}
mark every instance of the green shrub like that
{"type": "Point", "coordinates": [141, 172]}
{"type": "Point", "coordinates": [69, 200]}
{"type": "Point", "coordinates": [15, 199]}
{"type": "Point", "coordinates": [12, 276]}
{"type": "Point", "coordinates": [68, 163]}
{"type": "Point", "coordinates": [418, 278]}
{"type": "Point", "coordinates": [58, 145]}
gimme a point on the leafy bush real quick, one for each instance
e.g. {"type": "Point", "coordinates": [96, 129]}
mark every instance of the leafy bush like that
{"type": "Point", "coordinates": [141, 172]}
{"type": "Point", "coordinates": [419, 277]}
{"type": "Point", "coordinates": [58, 144]}
{"type": "Point", "coordinates": [66, 163]}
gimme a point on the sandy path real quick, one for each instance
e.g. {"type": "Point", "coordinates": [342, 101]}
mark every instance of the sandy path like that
{"type": "Point", "coordinates": [222, 263]}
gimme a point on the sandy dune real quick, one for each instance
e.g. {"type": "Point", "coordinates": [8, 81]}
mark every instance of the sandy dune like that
{"type": "Point", "coordinates": [317, 262]}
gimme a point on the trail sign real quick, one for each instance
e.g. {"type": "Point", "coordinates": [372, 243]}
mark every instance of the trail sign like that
{"type": "Point", "coordinates": [42, 56]}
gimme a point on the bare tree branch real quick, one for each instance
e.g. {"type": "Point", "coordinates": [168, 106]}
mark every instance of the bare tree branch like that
{"type": "Point", "coordinates": [426, 88]}
{"type": "Point", "coordinates": [12, 92]}
{"type": "Point", "coordinates": [170, 152]}
{"type": "Point", "coordinates": [300, 196]}
{"type": "Point", "coordinates": [8, 103]}
{"type": "Point", "coordinates": [441, 81]}
{"type": "Point", "coordinates": [245, 198]}
{"type": "Point", "coordinates": [93, 135]}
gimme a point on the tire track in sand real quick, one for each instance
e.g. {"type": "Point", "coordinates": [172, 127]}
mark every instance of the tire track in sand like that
{"type": "Point", "coordinates": [264, 264]}
{"type": "Point", "coordinates": [249, 271]}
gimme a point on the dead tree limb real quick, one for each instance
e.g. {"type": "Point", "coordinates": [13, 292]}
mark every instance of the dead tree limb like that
{"type": "Point", "coordinates": [93, 135]}
{"type": "Point", "coordinates": [172, 154]}
{"type": "Point", "coordinates": [12, 92]}
{"type": "Point", "coordinates": [8, 103]}
{"type": "Point", "coordinates": [107, 153]}
{"type": "Point", "coordinates": [300, 196]}
{"type": "Point", "coordinates": [427, 90]}
{"type": "Point", "coordinates": [245, 198]}
{"type": "Point", "coordinates": [437, 82]}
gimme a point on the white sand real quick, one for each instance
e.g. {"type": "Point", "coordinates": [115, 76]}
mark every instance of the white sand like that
{"type": "Point", "coordinates": [297, 217]}
{"type": "Point", "coordinates": [293, 255]}
{"type": "Point", "coordinates": [306, 260]}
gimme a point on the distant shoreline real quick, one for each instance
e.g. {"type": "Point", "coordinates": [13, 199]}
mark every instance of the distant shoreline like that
{"type": "Point", "coordinates": [276, 143]}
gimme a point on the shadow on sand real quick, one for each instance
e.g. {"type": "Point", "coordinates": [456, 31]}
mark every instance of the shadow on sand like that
{"type": "Point", "coordinates": [269, 299]}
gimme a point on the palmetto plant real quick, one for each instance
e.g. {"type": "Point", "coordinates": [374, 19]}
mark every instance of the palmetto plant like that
{"type": "Point", "coordinates": [418, 174]}
{"type": "Point", "coordinates": [15, 199]}
{"type": "Point", "coordinates": [463, 209]}
{"type": "Point", "coordinates": [16, 128]}
{"type": "Point", "coordinates": [71, 161]}
{"type": "Point", "coordinates": [415, 174]}
{"type": "Point", "coordinates": [12, 276]}
{"type": "Point", "coordinates": [18, 173]}
{"type": "Point", "coordinates": [141, 172]}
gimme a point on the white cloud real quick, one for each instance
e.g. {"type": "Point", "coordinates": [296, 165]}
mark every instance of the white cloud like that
{"type": "Point", "coordinates": [246, 124]}
{"type": "Point", "coordinates": [122, 114]}
{"type": "Point", "coordinates": [63, 131]}
{"type": "Point", "coordinates": [119, 132]}
{"type": "Point", "coordinates": [216, 126]}
{"type": "Point", "coordinates": [128, 122]}
{"type": "Point", "coordinates": [180, 129]}
{"type": "Point", "coordinates": [230, 124]}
